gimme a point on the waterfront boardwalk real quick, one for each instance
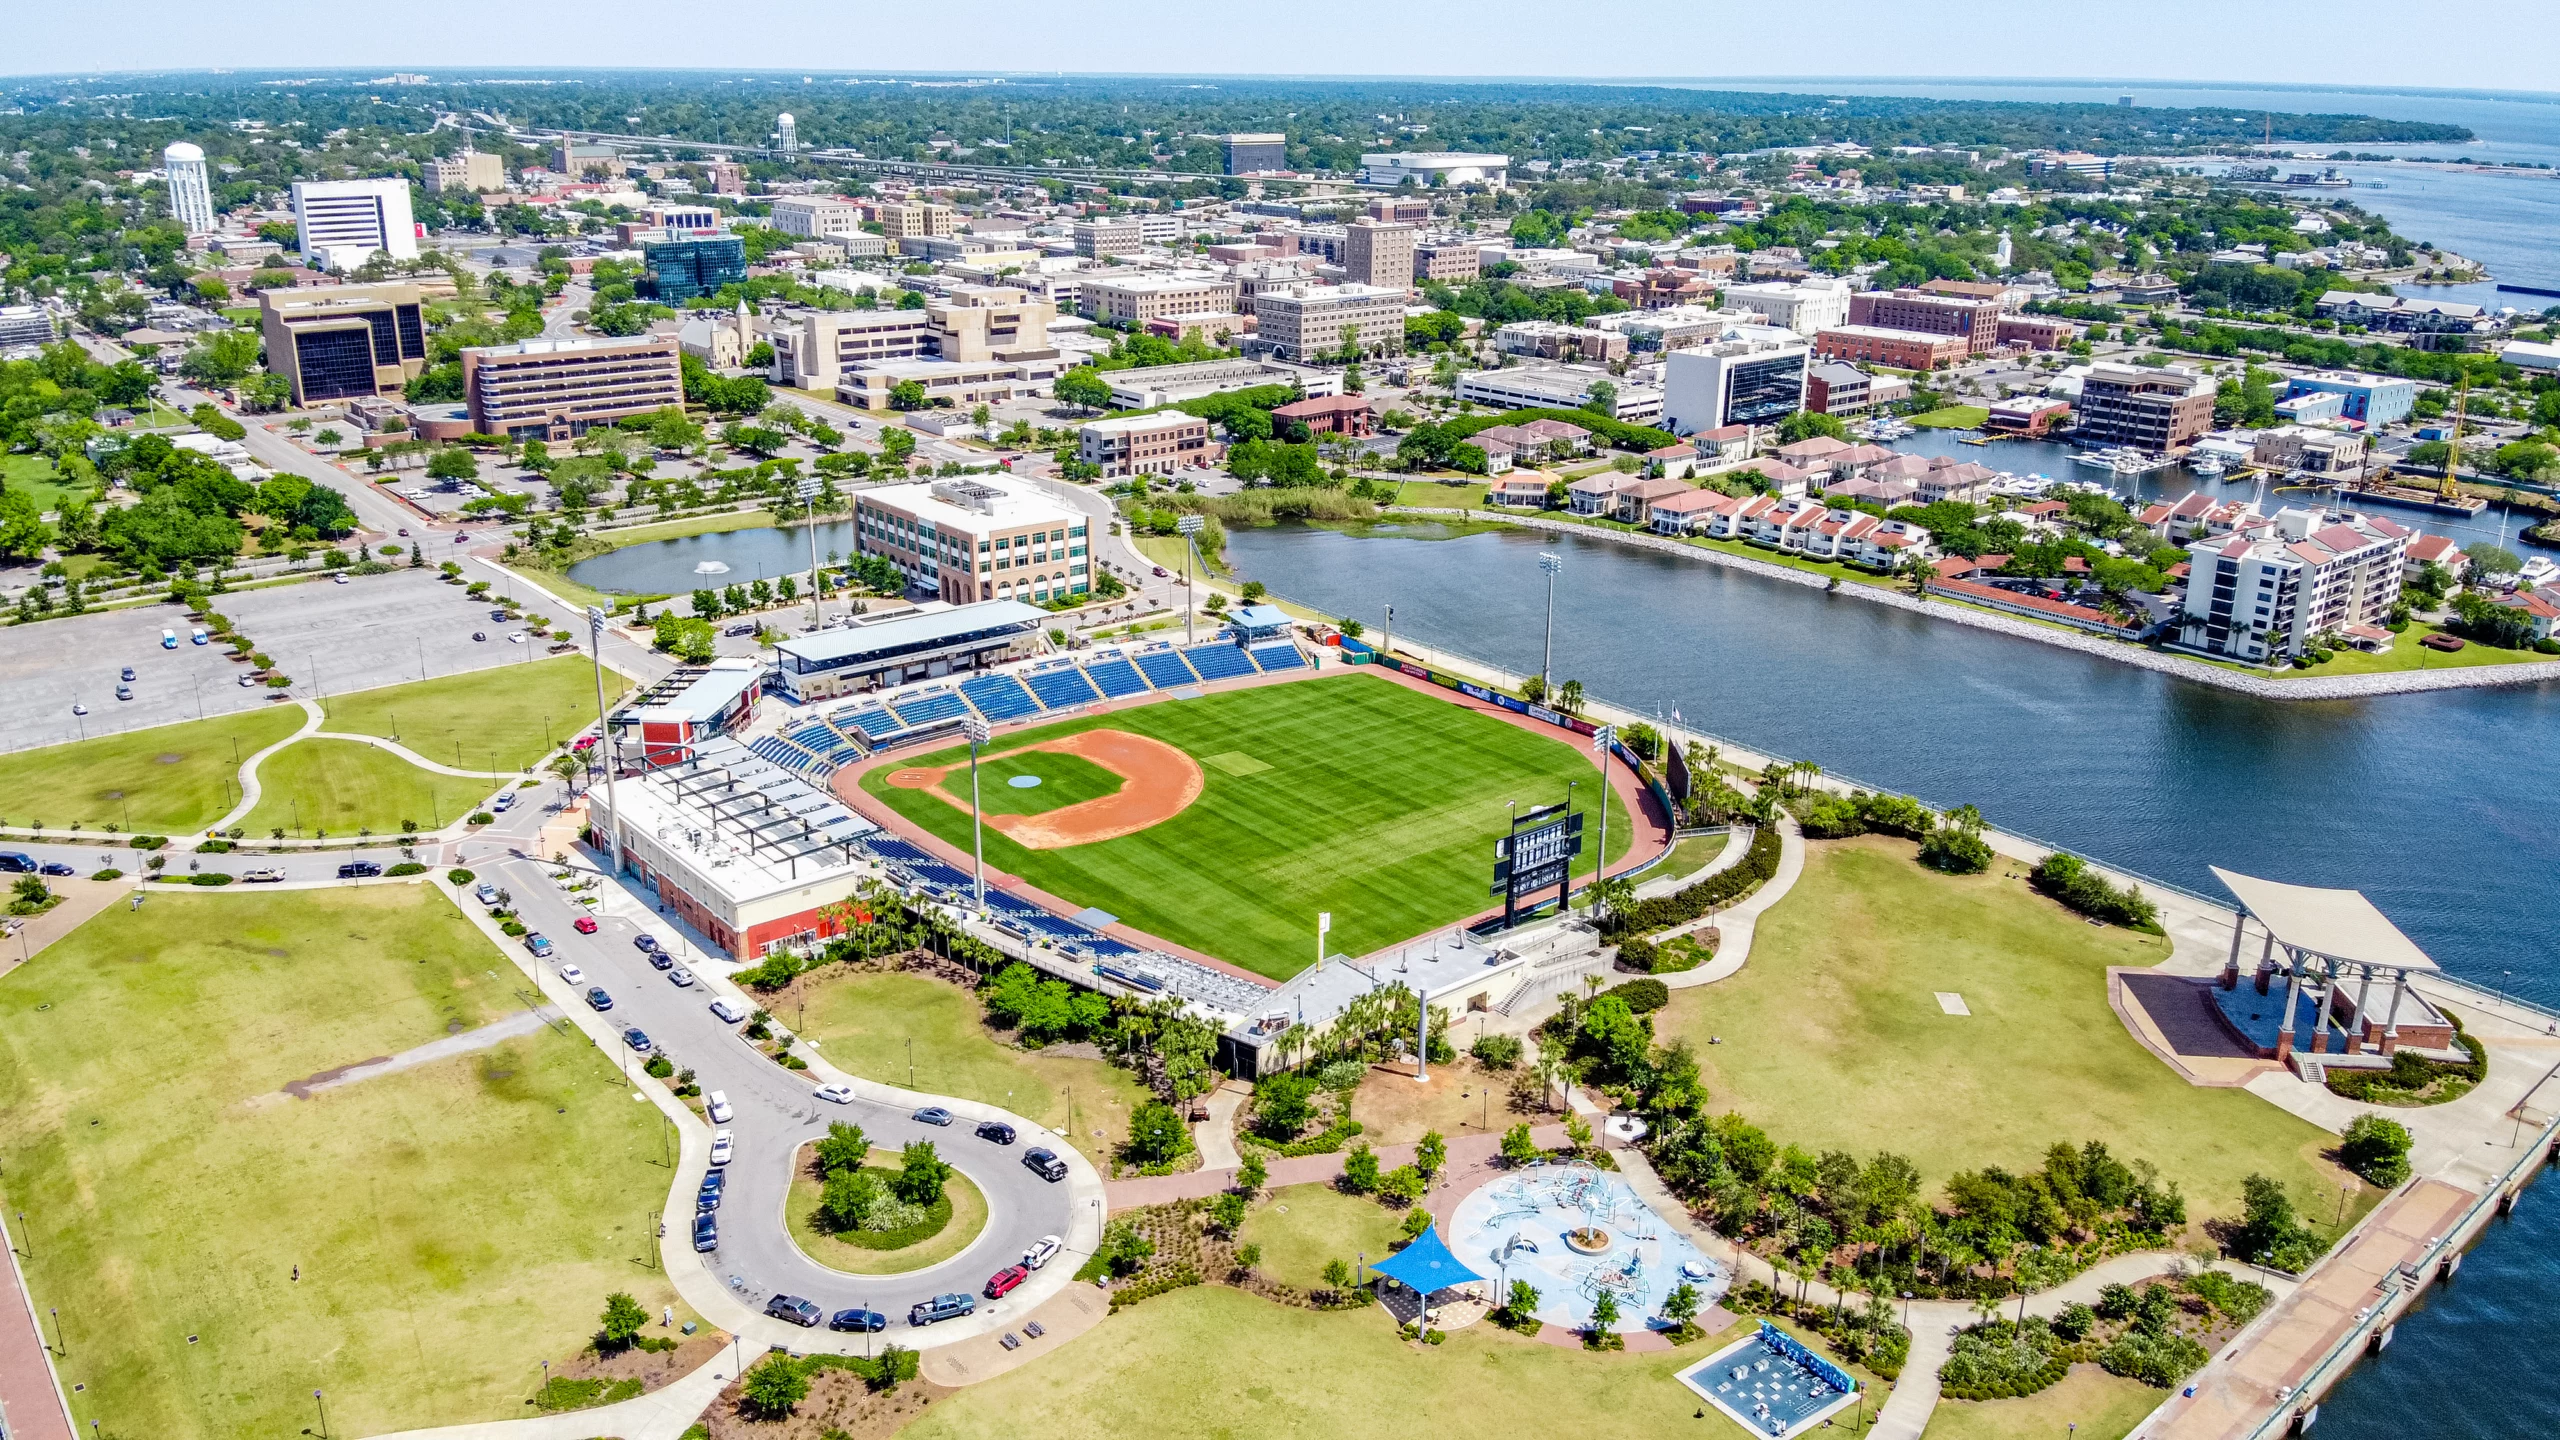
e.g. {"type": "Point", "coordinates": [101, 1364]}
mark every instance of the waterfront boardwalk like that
{"type": "Point", "coordinates": [2266, 1367]}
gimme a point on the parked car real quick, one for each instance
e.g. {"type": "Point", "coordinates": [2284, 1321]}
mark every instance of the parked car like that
{"type": "Point", "coordinates": [637, 1039]}
{"type": "Point", "coordinates": [681, 978]}
{"type": "Point", "coordinates": [17, 862]}
{"type": "Point", "coordinates": [1042, 1251]}
{"type": "Point", "coordinates": [1161, 572]}
{"type": "Point", "coordinates": [747, 628]}
{"type": "Point", "coordinates": [718, 1104]}
{"type": "Point", "coordinates": [727, 1012]}
{"type": "Point", "coordinates": [572, 975]}
{"type": "Point", "coordinates": [942, 1307]}
{"type": "Point", "coordinates": [708, 1198]}
{"type": "Point", "coordinates": [538, 943]}
{"type": "Point", "coordinates": [515, 637]}
{"type": "Point", "coordinates": [359, 870]}
{"type": "Point", "coordinates": [480, 635]}
{"type": "Point", "coordinates": [1001, 1283]}
{"type": "Point", "coordinates": [264, 875]}
{"type": "Point", "coordinates": [723, 1145]}
{"type": "Point", "coordinates": [584, 924]}
{"type": "Point", "coordinates": [486, 894]}
{"type": "Point", "coordinates": [124, 692]}
{"type": "Point", "coordinates": [504, 803]}
{"type": "Point", "coordinates": [661, 960]}
{"type": "Point", "coordinates": [706, 1232]}
{"type": "Point", "coordinates": [127, 673]}
{"type": "Point", "coordinates": [836, 1094]}
{"type": "Point", "coordinates": [858, 1320]}
{"type": "Point", "coordinates": [597, 999]}
{"type": "Point", "coordinates": [1045, 1164]}
{"type": "Point", "coordinates": [794, 1309]}
{"type": "Point", "coordinates": [497, 614]}
{"type": "Point", "coordinates": [933, 1115]}
{"type": "Point", "coordinates": [995, 1130]}
{"type": "Point", "coordinates": [648, 943]}
{"type": "Point", "coordinates": [55, 867]}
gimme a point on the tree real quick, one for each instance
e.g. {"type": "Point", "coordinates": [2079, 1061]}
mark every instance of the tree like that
{"type": "Point", "coordinates": [1253, 1174]}
{"type": "Point", "coordinates": [1604, 1312]}
{"type": "Point", "coordinates": [1681, 1305]}
{"type": "Point", "coordinates": [453, 463]}
{"type": "Point", "coordinates": [1084, 389]}
{"type": "Point", "coordinates": [1568, 697]}
{"type": "Point", "coordinates": [1227, 1212]}
{"type": "Point", "coordinates": [921, 1174]}
{"type": "Point", "coordinates": [623, 1320]}
{"type": "Point", "coordinates": [908, 395]}
{"type": "Point", "coordinates": [843, 1148]}
{"type": "Point", "coordinates": [1360, 1170]}
{"type": "Point", "coordinates": [775, 1386]}
{"type": "Point", "coordinates": [1808, 424]}
{"type": "Point", "coordinates": [2376, 1148]}
{"type": "Point", "coordinates": [1522, 1302]}
{"type": "Point", "coordinates": [1283, 1103]}
{"type": "Point", "coordinates": [1430, 1153]}
{"type": "Point", "coordinates": [2487, 559]}
{"type": "Point", "coordinates": [1517, 1147]}
{"type": "Point", "coordinates": [1157, 1134]}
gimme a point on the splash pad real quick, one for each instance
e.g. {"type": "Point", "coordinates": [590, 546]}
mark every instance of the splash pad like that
{"type": "Point", "coordinates": [1575, 1231]}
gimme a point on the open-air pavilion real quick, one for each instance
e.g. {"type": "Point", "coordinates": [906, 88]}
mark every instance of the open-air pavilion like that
{"type": "Point", "coordinates": [1426, 1268]}
{"type": "Point", "coordinates": [2319, 941]}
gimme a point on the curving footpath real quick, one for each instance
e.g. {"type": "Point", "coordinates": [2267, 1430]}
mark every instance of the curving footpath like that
{"type": "Point", "coordinates": [1735, 925]}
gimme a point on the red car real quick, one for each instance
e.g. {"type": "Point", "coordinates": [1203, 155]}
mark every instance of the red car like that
{"type": "Point", "coordinates": [584, 925]}
{"type": "Point", "coordinates": [1002, 1282]}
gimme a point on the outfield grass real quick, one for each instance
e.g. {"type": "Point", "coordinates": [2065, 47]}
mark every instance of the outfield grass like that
{"type": "Point", "coordinates": [1300, 1227]}
{"type": "Point", "coordinates": [1064, 780]}
{"type": "Point", "coordinates": [800, 1210]}
{"type": "Point", "coordinates": [1832, 1037]}
{"type": "Point", "coordinates": [2089, 1404]}
{"type": "Point", "coordinates": [503, 718]}
{"type": "Point", "coordinates": [342, 786]}
{"type": "Point", "coordinates": [1212, 1361]}
{"type": "Point", "coordinates": [1381, 806]}
{"type": "Point", "coordinates": [864, 1023]}
{"type": "Point", "coordinates": [167, 779]}
{"type": "Point", "coordinates": [453, 1224]}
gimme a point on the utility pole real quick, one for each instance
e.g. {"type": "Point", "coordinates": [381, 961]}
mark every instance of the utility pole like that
{"type": "Point", "coordinates": [604, 740]}
{"type": "Point", "coordinates": [1189, 528]}
{"type": "Point", "coordinates": [808, 489]}
{"type": "Point", "coordinates": [976, 730]}
{"type": "Point", "coordinates": [1553, 564]}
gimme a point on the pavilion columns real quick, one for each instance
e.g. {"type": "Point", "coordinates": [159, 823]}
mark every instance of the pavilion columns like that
{"type": "Point", "coordinates": [2231, 967]}
{"type": "Point", "coordinates": [2364, 988]}
{"type": "Point", "coordinates": [2320, 1010]}
{"type": "Point", "coordinates": [2292, 996]}
{"type": "Point", "coordinates": [2391, 1026]}
{"type": "Point", "coordinates": [2266, 961]}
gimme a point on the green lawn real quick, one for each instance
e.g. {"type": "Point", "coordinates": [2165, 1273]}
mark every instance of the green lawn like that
{"type": "Point", "coordinates": [864, 1023]}
{"type": "Point", "coordinates": [1954, 417]}
{"type": "Point", "coordinates": [33, 476]}
{"type": "Point", "coordinates": [2407, 654]}
{"type": "Point", "coordinates": [503, 718]}
{"type": "Point", "coordinates": [1440, 495]}
{"type": "Point", "coordinates": [1064, 780]}
{"type": "Point", "coordinates": [800, 1209]}
{"type": "Point", "coordinates": [1380, 806]}
{"type": "Point", "coordinates": [1320, 1223]}
{"type": "Point", "coordinates": [168, 779]}
{"type": "Point", "coordinates": [2089, 1404]}
{"type": "Point", "coordinates": [453, 1224]}
{"type": "Point", "coordinates": [1212, 1361]}
{"type": "Point", "coordinates": [696, 525]}
{"type": "Point", "coordinates": [1832, 1037]}
{"type": "Point", "coordinates": [342, 786]}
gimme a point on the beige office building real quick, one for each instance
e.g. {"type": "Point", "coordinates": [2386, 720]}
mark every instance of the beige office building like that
{"type": "Point", "coordinates": [470, 172]}
{"type": "Point", "coordinates": [898, 221]}
{"type": "Point", "coordinates": [344, 342]}
{"type": "Point", "coordinates": [976, 538]}
{"type": "Point", "coordinates": [1450, 263]}
{"type": "Point", "coordinates": [1306, 321]}
{"type": "Point", "coordinates": [557, 389]}
{"type": "Point", "coordinates": [816, 217]}
{"type": "Point", "coordinates": [1378, 252]}
{"type": "Point", "coordinates": [990, 322]}
{"type": "Point", "coordinates": [1138, 298]}
{"type": "Point", "coordinates": [1115, 235]}
{"type": "Point", "coordinates": [814, 349]}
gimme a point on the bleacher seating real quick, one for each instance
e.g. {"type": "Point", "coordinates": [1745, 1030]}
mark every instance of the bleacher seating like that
{"type": "Point", "coordinates": [930, 707]}
{"type": "Point", "coordinates": [1062, 688]}
{"type": "Point", "coordinates": [1219, 661]}
{"type": "Point", "coordinates": [1116, 677]}
{"type": "Point", "coordinates": [1165, 669]}
{"type": "Point", "coordinates": [999, 697]}
{"type": "Point", "coordinates": [816, 738]}
{"type": "Point", "coordinates": [872, 723]}
{"type": "Point", "coordinates": [1278, 655]}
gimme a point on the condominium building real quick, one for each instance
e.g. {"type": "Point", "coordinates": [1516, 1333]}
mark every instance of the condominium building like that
{"type": "Point", "coordinates": [1254, 154]}
{"type": "Point", "coordinates": [470, 172]}
{"type": "Point", "coordinates": [2152, 410]}
{"type": "Point", "coordinates": [1754, 376]}
{"type": "Point", "coordinates": [557, 389]}
{"type": "Point", "coordinates": [25, 325]}
{"type": "Point", "coordinates": [1901, 349]}
{"type": "Point", "coordinates": [1440, 167]}
{"type": "Point", "coordinates": [815, 348]}
{"type": "Point", "coordinates": [190, 192]}
{"type": "Point", "coordinates": [900, 220]}
{"type": "Point", "coordinates": [1451, 263]}
{"type": "Point", "coordinates": [1378, 252]}
{"type": "Point", "coordinates": [679, 270]}
{"type": "Point", "coordinates": [1832, 388]}
{"type": "Point", "coordinates": [1977, 321]}
{"type": "Point", "coordinates": [1139, 297]}
{"type": "Point", "coordinates": [974, 538]}
{"type": "Point", "coordinates": [344, 342]}
{"type": "Point", "coordinates": [817, 217]}
{"type": "Point", "coordinates": [342, 223]}
{"type": "Point", "coordinates": [1110, 235]}
{"type": "Point", "coordinates": [2325, 456]}
{"type": "Point", "coordinates": [1305, 321]}
{"type": "Point", "coordinates": [2268, 591]}
{"type": "Point", "coordinates": [1804, 306]}
{"type": "Point", "coordinates": [2370, 399]}
{"type": "Point", "coordinates": [1156, 444]}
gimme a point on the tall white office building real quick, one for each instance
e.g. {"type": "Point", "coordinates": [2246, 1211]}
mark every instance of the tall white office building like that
{"type": "Point", "coordinates": [190, 190]}
{"type": "Point", "coordinates": [786, 133]}
{"type": "Point", "coordinates": [342, 222]}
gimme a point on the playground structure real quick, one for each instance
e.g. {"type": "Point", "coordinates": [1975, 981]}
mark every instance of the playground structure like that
{"type": "Point", "coordinates": [1576, 1232]}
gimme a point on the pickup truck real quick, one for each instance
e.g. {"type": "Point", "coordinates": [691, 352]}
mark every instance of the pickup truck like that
{"type": "Point", "coordinates": [942, 1307]}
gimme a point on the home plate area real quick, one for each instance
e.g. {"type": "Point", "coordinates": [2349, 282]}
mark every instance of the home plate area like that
{"type": "Point", "coordinates": [1769, 1384]}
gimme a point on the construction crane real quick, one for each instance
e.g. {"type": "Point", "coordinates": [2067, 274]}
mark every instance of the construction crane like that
{"type": "Point", "coordinates": [2453, 446]}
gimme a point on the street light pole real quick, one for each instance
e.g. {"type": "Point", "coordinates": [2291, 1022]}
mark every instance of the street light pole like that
{"type": "Point", "coordinates": [977, 732]}
{"type": "Point", "coordinates": [1188, 527]}
{"type": "Point", "coordinates": [1553, 564]}
{"type": "Point", "coordinates": [604, 740]}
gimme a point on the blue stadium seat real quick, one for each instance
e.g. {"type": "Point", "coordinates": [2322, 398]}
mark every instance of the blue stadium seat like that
{"type": "Point", "coordinates": [1062, 688]}
{"type": "Point", "coordinates": [1166, 669]}
{"type": "Point", "coordinates": [999, 697]}
{"type": "Point", "coordinates": [872, 723]}
{"type": "Point", "coordinates": [1116, 677]}
{"type": "Point", "coordinates": [1278, 655]}
{"type": "Point", "coordinates": [1220, 662]}
{"type": "Point", "coordinates": [816, 737]}
{"type": "Point", "coordinates": [927, 708]}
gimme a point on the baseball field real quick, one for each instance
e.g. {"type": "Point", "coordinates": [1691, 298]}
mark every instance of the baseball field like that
{"type": "Point", "coordinates": [1228, 823]}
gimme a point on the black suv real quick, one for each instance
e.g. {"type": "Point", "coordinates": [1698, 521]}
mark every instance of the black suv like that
{"type": "Point", "coordinates": [1044, 1164]}
{"type": "Point", "coordinates": [942, 1307]}
{"type": "Point", "coordinates": [995, 1130]}
{"type": "Point", "coordinates": [359, 870]}
{"type": "Point", "coordinates": [794, 1309]}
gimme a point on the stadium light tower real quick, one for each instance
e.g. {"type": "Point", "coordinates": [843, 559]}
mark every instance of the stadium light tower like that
{"type": "Point", "coordinates": [1601, 740]}
{"type": "Point", "coordinates": [1189, 528]}
{"type": "Point", "coordinates": [1553, 564]}
{"type": "Point", "coordinates": [604, 739]}
{"type": "Point", "coordinates": [809, 487]}
{"type": "Point", "coordinates": [976, 730]}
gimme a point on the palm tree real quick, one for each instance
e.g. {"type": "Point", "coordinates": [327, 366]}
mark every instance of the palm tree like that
{"type": "Point", "coordinates": [1569, 697]}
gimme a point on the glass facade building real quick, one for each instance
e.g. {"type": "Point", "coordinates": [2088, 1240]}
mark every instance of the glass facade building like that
{"type": "Point", "coordinates": [679, 270]}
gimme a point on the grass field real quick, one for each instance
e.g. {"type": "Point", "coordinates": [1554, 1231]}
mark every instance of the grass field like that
{"type": "Point", "coordinates": [343, 786]}
{"type": "Point", "coordinates": [34, 477]}
{"type": "Point", "coordinates": [864, 1023]}
{"type": "Point", "coordinates": [2089, 1403]}
{"type": "Point", "coordinates": [1380, 806]}
{"type": "Point", "coordinates": [1064, 780]}
{"type": "Point", "coordinates": [503, 718]}
{"type": "Point", "coordinates": [1211, 1361]}
{"type": "Point", "coordinates": [1833, 1039]}
{"type": "Point", "coordinates": [168, 779]}
{"type": "Point", "coordinates": [1300, 1227]}
{"type": "Point", "coordinates": [968, 1217]}
{"type": "Point", "coordinates": [2407, 654]}
{"type": "Point", "coordinates": [1954, 417]}
{"type": "Point", "coordinates": [453, 1224]}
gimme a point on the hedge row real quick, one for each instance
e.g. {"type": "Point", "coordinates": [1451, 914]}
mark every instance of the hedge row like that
{"type": "Point", "coordinates": [1324, 1142]}
{"type": "Point", "coordinates": [1174, 1279]}
{"type": "Point", "coordinates": [2008, 1389]}
{"type": "Point", "coordinates": [2069, 879]}
{"type": "Point", "coordinates": [1682, 906]}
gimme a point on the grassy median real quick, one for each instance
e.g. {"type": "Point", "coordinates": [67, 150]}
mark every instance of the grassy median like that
{"type": "Point", "coordinates": [169, 779]}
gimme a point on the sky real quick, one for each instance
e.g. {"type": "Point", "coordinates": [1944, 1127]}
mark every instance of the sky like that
{"type": "Point", "coordinates": [2500, 44]}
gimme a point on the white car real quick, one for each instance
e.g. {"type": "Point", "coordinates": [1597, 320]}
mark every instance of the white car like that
{"type": "Point", "coordinates": [341, 579]}
{"type": "Point", "coordinates": [727, 1012]}
{"type": "Point", "coordinates": [680, 977]}
{"type": "Point", "coordinates": [836, 1094]}
{"type": "Point", "coordinates": [514, 637]}
{"type": "Point", "coordinates": [572, 975]}
{"type": "Point", "coordinates": [1042, 1251]}
{"type": "Point", "coordinates": [264, 876]}
{"type": "Point", "coordinates": [718, 1104]}
{"type": "Point", "coordinates": [722, 1146]}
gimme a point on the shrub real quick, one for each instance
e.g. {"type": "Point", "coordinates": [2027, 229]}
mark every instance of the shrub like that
{"type": "Point", "coordinates": [2377, 1149]}
{"type": "Point", "coordinates": [2159, 1359]}
{"type": "Point", "coordinates": [1642, 996]}
{"type": "Point", "coordinates": [482, 817]}
{"type": "Point", "coordinates": [406, 867]}
{"type": "Point", "coordinates": [1999, 1359]}
{"type": "Point", "coordinates": [2069, 879]}
{"type": "Point", "coordinates": [1359, 1170]}
{"type": "Point", "coordinates": [660, 1067]}
{"type": "Point", "coordinates": [1402, 1186]}
{"type": "Point", "coordinates": [210, 877]}
{"type": "Point", "coordinates": [1663, 911]}
{"type": "Point", "coordinates": [459, 876]}
{"type": "Point", "coordinates": [1956, 846]}
{"type": "Point", "coordinates": [1497, 1052]}
{"type": "Point", "coordinates": [110, 873]}
{"type": "Point", "coordinates": [213, 847]}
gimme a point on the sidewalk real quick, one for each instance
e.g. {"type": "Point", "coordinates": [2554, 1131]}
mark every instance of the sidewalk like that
{"type": "Point", "coordinates": [1734, 927]}
{"type": "Point", "coordinates": [32, 1405]}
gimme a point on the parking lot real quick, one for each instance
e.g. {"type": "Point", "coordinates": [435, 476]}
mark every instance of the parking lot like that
{"type": "Point", "coordinates": [374, 630]}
